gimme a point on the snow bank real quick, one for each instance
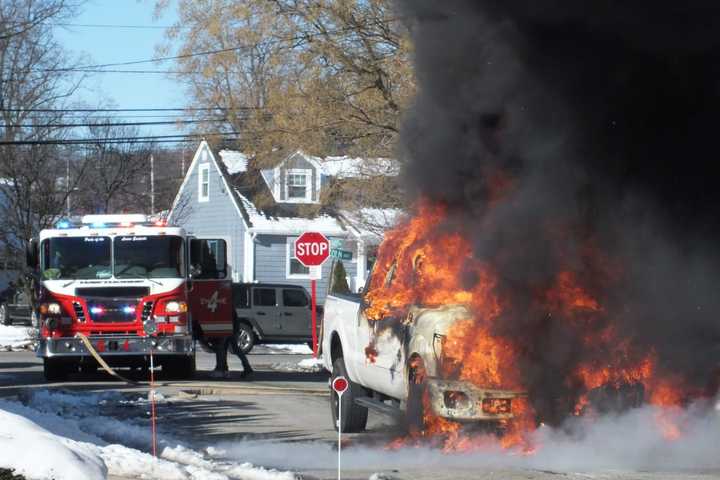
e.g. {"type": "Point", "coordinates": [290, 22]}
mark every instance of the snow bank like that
{"type": "Point", "coordinates": [76, 441]}
{"type": "Point", "coordinates": [21, 442]}
{"type": "Point", "coordinates": [15, 337]}
{"type": "Point", "coordinates": [301, 349]}
{"type": "Point", "coordinates": [308, 365]}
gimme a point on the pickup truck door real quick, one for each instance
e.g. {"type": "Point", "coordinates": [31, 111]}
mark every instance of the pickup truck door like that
{"type": "Point", "coordinates": [295, 312]}
{"type": "Point", "coordinates": [265, 311]}
{"type": "Point", "coordinates": [385, 346]}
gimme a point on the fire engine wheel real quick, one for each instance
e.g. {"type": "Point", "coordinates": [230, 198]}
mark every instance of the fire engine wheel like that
{"type": "Point", "coordinates": [54, 370]}
{"type": "Point", "coordinates": [4, 315]}
{"type": "Point", "coordinates": [182, 368]}
{"type": "Point", "coordinates": [244, 337]}
{"type": "Point", "coordinates": [415, 406]}
{"type": "Point", "coordinates": [354, 417]}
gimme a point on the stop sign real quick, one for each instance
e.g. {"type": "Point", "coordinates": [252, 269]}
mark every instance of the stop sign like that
{"type": "Point", "coordinates": [312, 249]}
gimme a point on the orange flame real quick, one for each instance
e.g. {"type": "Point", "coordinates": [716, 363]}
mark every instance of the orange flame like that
{"type": "Point", "coordinates": [427, 261]}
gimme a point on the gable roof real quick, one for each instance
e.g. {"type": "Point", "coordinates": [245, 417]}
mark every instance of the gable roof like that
{"type": "Point", "coordinates": [221, 169]}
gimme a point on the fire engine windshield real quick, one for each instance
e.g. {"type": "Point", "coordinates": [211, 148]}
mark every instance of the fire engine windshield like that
{"type": "Point", "coordinates": [76, 258]}
{"type": "Point", "coordinates": [149, 257]}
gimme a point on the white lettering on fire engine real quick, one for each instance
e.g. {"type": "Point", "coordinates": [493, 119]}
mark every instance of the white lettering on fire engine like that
{"type": "Point", "coordinates": [213, 301]}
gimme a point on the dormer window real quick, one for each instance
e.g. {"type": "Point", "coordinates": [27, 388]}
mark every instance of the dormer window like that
{"type": "Point", "coordinates": [298, 185]}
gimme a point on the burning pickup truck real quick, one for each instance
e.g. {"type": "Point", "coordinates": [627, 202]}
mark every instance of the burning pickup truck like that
{"type": "Point", "coordinates": [395, 362]}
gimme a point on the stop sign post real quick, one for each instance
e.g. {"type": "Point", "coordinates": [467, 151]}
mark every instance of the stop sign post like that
{"type": "Point", "coordinates": [312, 249]}
{"type": "Point", "coordinates": [339, 385]}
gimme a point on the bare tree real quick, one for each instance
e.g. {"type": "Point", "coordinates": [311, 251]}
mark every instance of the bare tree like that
{"type": "Point", "coordinates": [114, 176]}
{"type": "Point", "coordinates": [33, 76]}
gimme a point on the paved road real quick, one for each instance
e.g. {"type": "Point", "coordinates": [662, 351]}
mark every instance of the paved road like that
{"type": "Point", "coordinates": [282, 420]}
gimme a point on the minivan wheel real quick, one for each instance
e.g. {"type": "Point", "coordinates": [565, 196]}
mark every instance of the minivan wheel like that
{"type": "Point", "coordinates": [4, 316]}
{"type": "Point", "coordinates": [244, 337]}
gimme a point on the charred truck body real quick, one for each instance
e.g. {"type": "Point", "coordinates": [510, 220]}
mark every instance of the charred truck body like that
{"type": "Point", "coordinates": [395, 362]}
{"type": "Point", "coordinates": [112, 277]}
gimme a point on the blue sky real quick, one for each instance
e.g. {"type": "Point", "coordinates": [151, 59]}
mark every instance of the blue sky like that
{"type": "Point", "coordinates": [111, 45]}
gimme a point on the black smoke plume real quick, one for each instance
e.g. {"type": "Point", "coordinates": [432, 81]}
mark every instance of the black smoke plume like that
{"type": "Point", "coordinates": [557, 128]}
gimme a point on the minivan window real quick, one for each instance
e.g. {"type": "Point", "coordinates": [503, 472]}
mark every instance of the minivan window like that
{"type": "Point", "coordinates": [264, 297]}
{"type": "Point", "coordinates": [294, 298]}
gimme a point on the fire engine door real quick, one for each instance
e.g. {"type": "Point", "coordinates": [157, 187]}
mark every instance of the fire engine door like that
{"type": "Point", "coordinates": [210, 299]}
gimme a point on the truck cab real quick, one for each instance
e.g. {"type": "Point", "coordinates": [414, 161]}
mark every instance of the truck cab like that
{"type": "Point", "coordinates": [396, 362]}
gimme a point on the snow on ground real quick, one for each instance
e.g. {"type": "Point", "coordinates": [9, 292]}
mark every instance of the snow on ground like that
{"type": "Point", "coordinates": [281, 349]}
{"type": "Point", "coordinates": [78, 441]}
{"type": "Point", "coordinates": [62, 458]}
{"type": "Point", "coordinates": [308, 365]}
{"type": "Point", "coordinates": [14, 337]}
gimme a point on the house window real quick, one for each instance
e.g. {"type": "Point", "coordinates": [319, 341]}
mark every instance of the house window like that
{"type": "Point", "coordinates": [298, 185]}
{"type": "Point", "coordinates": [295, 269]}
{"type": "Point", "coordinates": [204, 183]}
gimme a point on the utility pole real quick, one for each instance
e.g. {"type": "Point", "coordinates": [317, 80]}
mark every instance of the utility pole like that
{"type": "Point", "coordinates": [67, 186]}
{"type": "Point", "coordinates": [152, 185]}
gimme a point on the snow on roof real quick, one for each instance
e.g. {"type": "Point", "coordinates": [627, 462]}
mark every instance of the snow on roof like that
{"type": "Point", "coordinates": [262, 223]}
{"type": "Point", "coordinates": [347, 167]}
{"type": "Point", "coordinates": [372, 223]}
{"type": "Point", "coordinates": [235, 162]}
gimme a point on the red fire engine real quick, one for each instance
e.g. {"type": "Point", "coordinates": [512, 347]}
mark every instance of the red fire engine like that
{"type": "Point", "coordinates": [117, 278]}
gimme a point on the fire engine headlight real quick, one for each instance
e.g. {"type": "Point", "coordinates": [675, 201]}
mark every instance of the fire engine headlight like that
{"type": "Point", "coordinates": [52, 308]}
{"type": "Point", "coordinates": [176, 306]}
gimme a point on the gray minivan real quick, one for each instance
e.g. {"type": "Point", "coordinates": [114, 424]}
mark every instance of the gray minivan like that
{"type": "Point", "coordinates": [272, 313]}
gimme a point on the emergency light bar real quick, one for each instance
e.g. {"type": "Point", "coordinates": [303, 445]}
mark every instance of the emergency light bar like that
{"type": "Point", "coordinates": [103, 220]}
{"type": "Point", "coordinates": [112, 221]}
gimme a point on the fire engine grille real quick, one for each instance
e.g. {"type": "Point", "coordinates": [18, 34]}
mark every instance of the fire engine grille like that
{"type": "Point", "coordinates": [79, 313]}
{"type": "Point", "coordinates": [111, 310]}
{"type": "Point", "coordinates": [147, 310]}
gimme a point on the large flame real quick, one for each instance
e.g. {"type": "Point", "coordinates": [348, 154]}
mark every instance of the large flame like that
{"type": "Point", "coordinates": [428, 260]}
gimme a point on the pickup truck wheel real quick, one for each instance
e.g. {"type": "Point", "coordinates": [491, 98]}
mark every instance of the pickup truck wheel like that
{"type": "Point", "coordinates": [54, 370]}
{"type": "Point", "coordinates": [244, 337]}
{"type": "Point", "coordinates": [354, 417]}
{"type": "Point", "coordinates": [415, 405]}
{"type": "Point", "coordinates": [5, 315]}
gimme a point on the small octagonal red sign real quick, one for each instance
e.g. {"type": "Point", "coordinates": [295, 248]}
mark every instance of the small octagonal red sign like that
{"type": "Point", "coordinates": [312, 249]}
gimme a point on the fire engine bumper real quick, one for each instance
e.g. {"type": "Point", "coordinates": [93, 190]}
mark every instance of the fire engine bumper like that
{"type": "Point", "coordinates": [465, 402]}
{"type": "Point", "coordinates": [111, 345]}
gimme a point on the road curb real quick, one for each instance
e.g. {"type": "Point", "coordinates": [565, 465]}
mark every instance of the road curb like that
{"type": "Point", "coordinates": [194, 389]}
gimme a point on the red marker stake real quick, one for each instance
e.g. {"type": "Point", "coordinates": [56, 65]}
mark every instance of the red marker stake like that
{"type": "Point", "coordinates": [313, 304]}
{"type": "Point", "coordinates": [340, 385]}
{"type": "Point", "coordinates": [152, 403]}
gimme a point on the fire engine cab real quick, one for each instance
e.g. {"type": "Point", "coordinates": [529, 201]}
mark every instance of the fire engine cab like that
{"type": "Point", "coordinates": [130, 286]}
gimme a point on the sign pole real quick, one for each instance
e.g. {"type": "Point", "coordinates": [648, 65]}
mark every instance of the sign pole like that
{"type": "Point", "coordinates": [313, 301]}
{"type": "Point", "coordinates": [311, 250]}
{"type": "Point", "coordinates": [339, 431]}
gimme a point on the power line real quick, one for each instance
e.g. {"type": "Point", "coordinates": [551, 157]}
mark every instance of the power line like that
{"type": "Point", "coordinates": [137, 139]}
{"type": "Point", "coordinates": [108, 25]}
{"type": "Point", "coordinates": [114, 124]}
{"type": "Point", "coordinates": [204, 53]}
{"type": "Point", "coordinates": [150, 109]}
